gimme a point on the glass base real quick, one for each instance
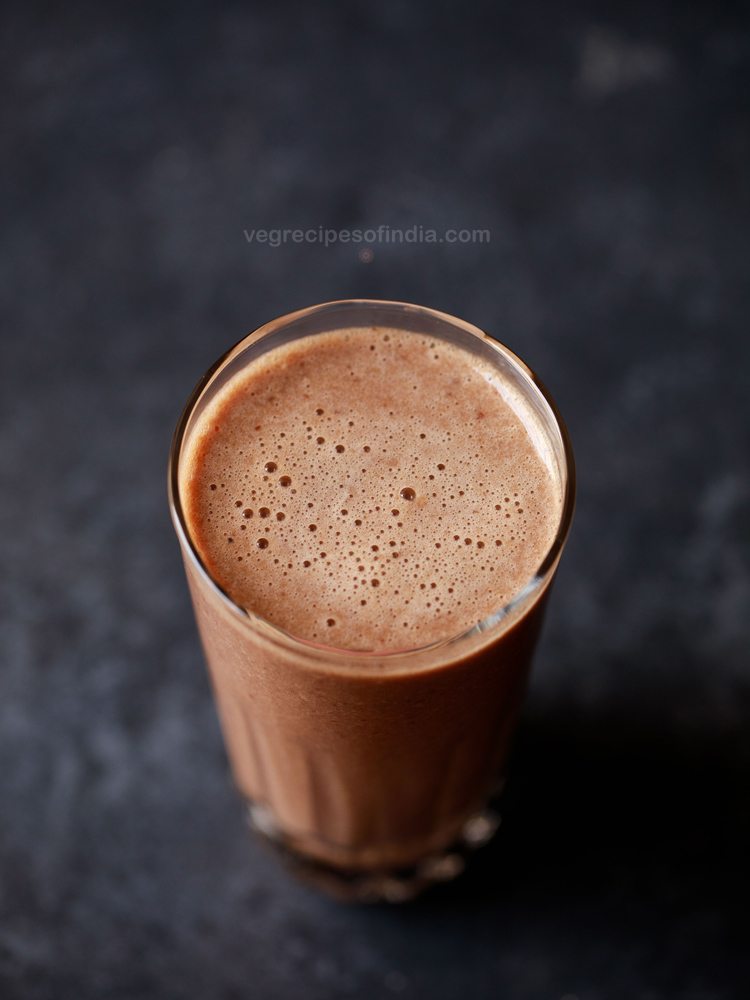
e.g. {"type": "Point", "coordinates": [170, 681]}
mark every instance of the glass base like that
{"type": "Point", "coordinates": [379, 886]}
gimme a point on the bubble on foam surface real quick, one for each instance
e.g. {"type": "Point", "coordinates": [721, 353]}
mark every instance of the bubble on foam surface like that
{"type": "Point", "coordinates": [402, 497]}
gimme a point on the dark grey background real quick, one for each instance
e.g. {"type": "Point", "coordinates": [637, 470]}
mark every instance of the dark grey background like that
{"type": "Point", "coordinates": [607, 148]}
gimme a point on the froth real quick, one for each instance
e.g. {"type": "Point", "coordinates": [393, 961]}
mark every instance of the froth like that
{"type": "Point", "coordinates": [369, 489]}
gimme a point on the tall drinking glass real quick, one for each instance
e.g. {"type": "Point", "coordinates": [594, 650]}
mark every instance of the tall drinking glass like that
{"type": "Point", "coordinates": [373, 772]}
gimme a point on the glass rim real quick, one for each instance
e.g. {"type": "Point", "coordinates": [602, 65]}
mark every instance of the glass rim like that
{"type": "Point", "coordinates": [275, 632]}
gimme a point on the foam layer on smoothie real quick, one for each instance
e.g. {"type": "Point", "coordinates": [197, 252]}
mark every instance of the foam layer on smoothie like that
{"type": "Point", "coordinates": [370, 489]}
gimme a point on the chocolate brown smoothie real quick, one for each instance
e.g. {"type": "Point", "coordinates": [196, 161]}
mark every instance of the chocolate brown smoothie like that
{"type": "Point", "coordinates": [368, 491]}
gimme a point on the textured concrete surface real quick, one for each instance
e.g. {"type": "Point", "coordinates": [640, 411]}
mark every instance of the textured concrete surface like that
{"type": "Point", "coordinates": [607, 150]}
